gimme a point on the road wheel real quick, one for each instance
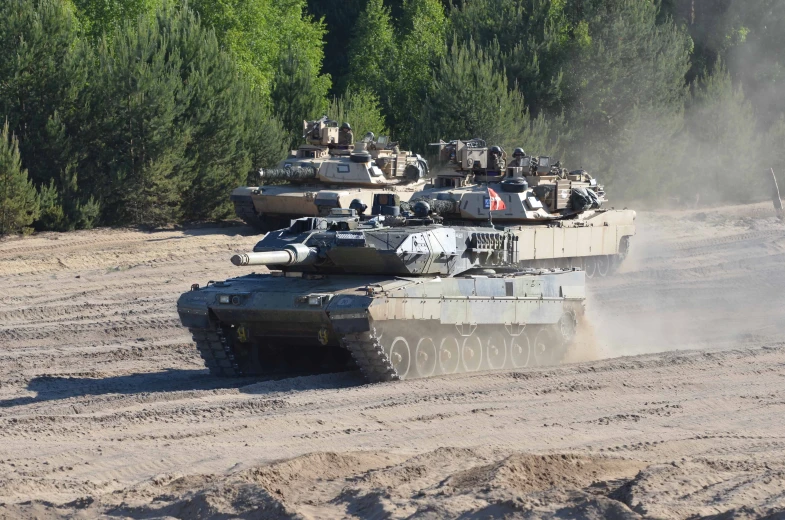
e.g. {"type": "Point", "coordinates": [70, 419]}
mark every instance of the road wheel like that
{"type": "Point", "coordinates": [590, 266]}
{"type": "Point", "coordinates": [543, 346]}
{"type": "Point", "coordinates": [521, 351]}
{"type": "Point", "coordinates": [496, 350]}
{"type": "Point", "coordinates": [400, 356]}
{"type": "Point", "coordinates": [603, 265]}
{"type": "Point", "coordinates": [425, 357]}
{"type": "Point", "coordinates": [471, 353]}
{"type": "Point", "coordinates": [449, 355]}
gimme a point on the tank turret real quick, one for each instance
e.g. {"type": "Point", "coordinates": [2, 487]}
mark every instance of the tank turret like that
{"type": "Point", "coordinates": [327, 171]}
{"type": "Point", "coordinates": [397, 296]}
{"type": "Point", "coordinates": [400, 246]}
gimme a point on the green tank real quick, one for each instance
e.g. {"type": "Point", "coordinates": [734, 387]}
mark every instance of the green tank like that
{"type": "Point", "coordinates": [397, 296]}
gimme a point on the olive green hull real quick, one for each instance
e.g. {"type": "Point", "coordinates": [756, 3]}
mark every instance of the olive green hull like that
{"type": "Point", "coordinates": [391, 328]}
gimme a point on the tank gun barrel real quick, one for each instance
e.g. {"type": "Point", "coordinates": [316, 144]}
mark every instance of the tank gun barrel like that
{"type": "Point", "coordinates": [290, 255]}
{"type": "Point", "coordinates": [288, 174]}
{"type": "Point", "coordinates": [265, 258]}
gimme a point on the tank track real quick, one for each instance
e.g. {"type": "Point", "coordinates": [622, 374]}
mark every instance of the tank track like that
{"type": "Point", "coordinates": [370, 357]}
{"type": "Point", "coordinates": [216, 352]}
{"type": "Point", "coordinates": [244, 209]}
{"type": "Point", "coordinates": [365, 349]}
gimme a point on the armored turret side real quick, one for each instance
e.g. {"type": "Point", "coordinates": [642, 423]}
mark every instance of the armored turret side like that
{"type": "Point", "coordinates": [414, 299]}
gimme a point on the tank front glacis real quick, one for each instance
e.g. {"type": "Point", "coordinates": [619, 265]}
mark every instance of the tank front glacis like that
{"type": "Point", "coordinates": [397, 297]}
{"type": "Point", "coordinates": [328, 171]}
{"type": "Point", "coordinates": [557, 214]}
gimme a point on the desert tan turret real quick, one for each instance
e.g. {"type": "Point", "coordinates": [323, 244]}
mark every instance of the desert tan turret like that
{"type": "Point", "coordinates": [328, 171]}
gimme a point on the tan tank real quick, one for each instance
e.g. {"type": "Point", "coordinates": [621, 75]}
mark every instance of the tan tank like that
{"type": "Point", "coordinates": [328, 171]}
{"type": "Point", "coordinates": [558, 216]}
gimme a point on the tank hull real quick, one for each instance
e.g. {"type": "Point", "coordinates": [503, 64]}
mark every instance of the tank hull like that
{"type": "Point", "coordinates": [268, 208]}
{"type": "Point", "coordinates": [391, 328]}
{"type": "Point", "coordinates": [597, 242]}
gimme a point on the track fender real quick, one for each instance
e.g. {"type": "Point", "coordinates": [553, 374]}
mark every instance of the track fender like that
{"type": "Point", "coordinates": [349, 313]}
{"type": "Point", "coordinates": [242, 193]}
{"type": "Point", "coordinates": [194, 311]}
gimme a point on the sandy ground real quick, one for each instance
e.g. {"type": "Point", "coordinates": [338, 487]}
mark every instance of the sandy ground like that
{"type": "Point", "coordinates": [674, 409]}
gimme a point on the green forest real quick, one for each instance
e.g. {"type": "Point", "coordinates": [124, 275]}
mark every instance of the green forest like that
{"type": "Point", "coordinates": [148, 112]}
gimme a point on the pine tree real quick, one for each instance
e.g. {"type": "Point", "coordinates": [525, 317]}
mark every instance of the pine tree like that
{"type": "Point", "coordinates": [340, 19]}
{"type": "Point", "coordinates": [722, 129]}
{"type": "Point", "coordinates": [296, 94]}
{"type": "Point", "coordinates": [265, 138]}
{"type": "Point", "coordinates": [260, 33]}
{"type": "Point", "coordinates": [45, 66]}
{"type": "Point", "coordinates": [136, 134]}
{"type": "Point", "coordinates": [470, 98]}
{"type": "Point", "coordinates": [173, 125]}
{"type": "Point", "coordinates": [530, 38]}
{"type": "Point", "coordinates": [102, 17]}
{"type": "Point", "coordinates": [649, 160]}
{"type": "Point", "coordinates": [422, 45]}
{"type": "Point", "coordinates": [755, 58]}
{"type": "Point", "coordinates": [374, 53]}
{"type": "Point", "coordinates": [18, 200]}
{"type": "Point", "coordinates": [213, 99]}
{"type": "Point", "coordinates": [628, 61]}
{"type": "Point", "coordinates": [361, 109]}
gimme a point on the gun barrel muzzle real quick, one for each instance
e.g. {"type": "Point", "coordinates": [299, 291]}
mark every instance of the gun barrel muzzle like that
{"type": "Point", "coordinates": [265, 258]}
{"type": "Point", "coordinates": [289, 255]}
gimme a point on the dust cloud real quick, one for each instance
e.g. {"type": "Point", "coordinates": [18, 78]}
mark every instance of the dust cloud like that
{"type": "Point", "coordinates": [694, 279]}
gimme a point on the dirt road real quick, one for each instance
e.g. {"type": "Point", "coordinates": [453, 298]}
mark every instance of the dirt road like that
{"type": "Point", "coordinates": [105, 407]}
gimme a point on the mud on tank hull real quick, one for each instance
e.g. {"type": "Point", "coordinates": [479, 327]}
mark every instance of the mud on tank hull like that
{"type": "Point", "coordinates": [269, 208]}
{"type": "Point", "coordinates": [391, 328]}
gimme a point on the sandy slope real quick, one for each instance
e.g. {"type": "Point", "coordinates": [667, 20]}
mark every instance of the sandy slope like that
{"type": "Point", "coordinates": [105, 408]}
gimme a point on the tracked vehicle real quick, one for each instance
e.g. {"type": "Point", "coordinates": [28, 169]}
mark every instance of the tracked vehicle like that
{"type": "Point", "coordinates": [328, 171]}
{"type": "Point", "coordinates": [559, 216]}
{"type": "Point", "coordinates": [399, 296]}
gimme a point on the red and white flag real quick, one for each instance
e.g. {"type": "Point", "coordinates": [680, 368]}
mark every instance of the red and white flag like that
{"type": "Point", "coordinates": [496, 202]}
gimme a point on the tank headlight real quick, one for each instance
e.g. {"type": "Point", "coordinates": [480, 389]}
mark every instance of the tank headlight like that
{"type": "Point", "coordinates": [223, 298]}
{"type": "Point", "coordinates": [315, 300]}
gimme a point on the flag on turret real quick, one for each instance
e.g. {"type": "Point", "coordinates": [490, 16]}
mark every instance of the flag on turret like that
{"type": "Point", "coordinates": [496, 202]}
